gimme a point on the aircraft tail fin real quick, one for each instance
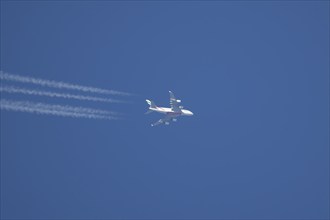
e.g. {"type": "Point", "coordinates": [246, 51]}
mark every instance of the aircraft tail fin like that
{"type": "Point", "coordinates": [151, 103]}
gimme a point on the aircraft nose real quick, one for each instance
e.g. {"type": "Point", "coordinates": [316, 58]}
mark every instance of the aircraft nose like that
{"type": "Point", "coordinates": [187, 113]}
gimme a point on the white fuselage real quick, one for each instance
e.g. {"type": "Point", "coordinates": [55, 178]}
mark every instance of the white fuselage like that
{"type": "Point", "coordinates": [170, 112]}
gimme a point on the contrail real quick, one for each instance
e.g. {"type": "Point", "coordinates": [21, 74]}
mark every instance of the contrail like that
{"type": "Point", "coordinates": [59, 110]}
{"type": "Point", "coordinates": [59, 107]}
{"type": "Point", "coordinates": [11, 89]}
{"type": "Point", "coordinates": [52, 112]}
{"type": "Point", "coordinates": [58, 84]}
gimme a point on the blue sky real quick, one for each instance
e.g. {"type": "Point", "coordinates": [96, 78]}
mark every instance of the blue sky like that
{"type": "Point", "coordinates": [255, 74]}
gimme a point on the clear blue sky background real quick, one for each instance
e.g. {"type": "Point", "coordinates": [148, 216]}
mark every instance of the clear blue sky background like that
{"type": "Point", "coordinates": [256, 75]}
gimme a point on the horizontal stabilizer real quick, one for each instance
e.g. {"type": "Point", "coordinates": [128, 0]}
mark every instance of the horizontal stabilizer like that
{"type": "Point", "coordinates": [148, 112]}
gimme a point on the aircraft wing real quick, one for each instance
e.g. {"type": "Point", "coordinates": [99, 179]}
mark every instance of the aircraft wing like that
{"type": "Point", "coordinates": [174, 102]}
{"type": "Point", "coordinates": [161, 121]}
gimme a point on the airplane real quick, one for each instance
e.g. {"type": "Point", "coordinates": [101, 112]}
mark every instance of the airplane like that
{"type": "Point", "coordinates": [171, 113]}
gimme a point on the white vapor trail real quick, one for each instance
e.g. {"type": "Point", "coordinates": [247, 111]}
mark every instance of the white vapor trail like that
{"type": "Point", "coordinates": [11, 89]}
{"type": "Point", "coordinates": [58, 84]}
{"type": "Point", "coordinates": [60, 107]}
{"type": "Point", "coordinates": [58, 110]}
